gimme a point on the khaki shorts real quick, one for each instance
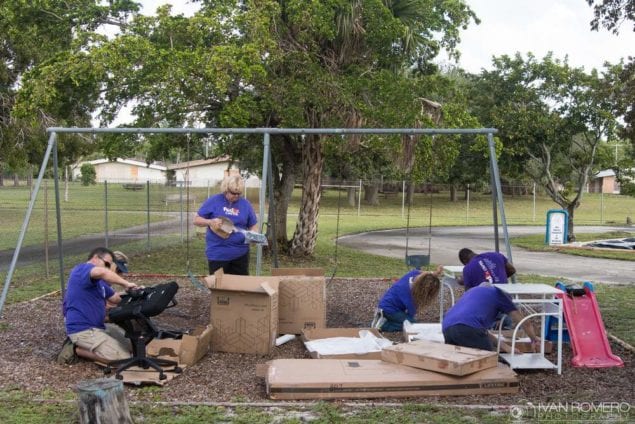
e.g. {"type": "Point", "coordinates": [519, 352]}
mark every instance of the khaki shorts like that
{"type": "Point", "coordinates": [111, 343]}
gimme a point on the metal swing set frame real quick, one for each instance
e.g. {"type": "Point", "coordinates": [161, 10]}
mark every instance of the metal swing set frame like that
{"type": "Point", "coordinates": [52, 150]}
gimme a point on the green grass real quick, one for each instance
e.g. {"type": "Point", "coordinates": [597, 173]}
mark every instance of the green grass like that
{"type": "Point", "coordinates": [537, 243]}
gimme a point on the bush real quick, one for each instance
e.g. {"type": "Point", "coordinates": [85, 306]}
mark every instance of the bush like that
{"type": "Point", "coordinates": [88, 174]}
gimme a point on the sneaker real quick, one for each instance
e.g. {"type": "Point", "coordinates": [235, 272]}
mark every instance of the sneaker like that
{"type": "Point", "coordinates": [67, 355]}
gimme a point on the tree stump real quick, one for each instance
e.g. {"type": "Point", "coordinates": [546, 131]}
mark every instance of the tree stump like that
{"type": "Point", "coordinates": [102, 401]}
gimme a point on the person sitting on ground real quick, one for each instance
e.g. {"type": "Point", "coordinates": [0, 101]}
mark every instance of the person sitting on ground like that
{"type": "Point", "coordinates": [87, 294]}
{"type": "Point", "coordinates": [488, 267]}
{"type": "Point", "coordinates": [413, 291]}
{"type": "Point", "coordinates": [467, 322]}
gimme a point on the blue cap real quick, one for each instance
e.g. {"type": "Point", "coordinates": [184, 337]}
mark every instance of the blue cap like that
{"type": "Point", "coordinates": [122, 266]}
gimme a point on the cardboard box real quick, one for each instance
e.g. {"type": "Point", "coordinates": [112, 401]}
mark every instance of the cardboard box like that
{"type": "Point", "coordinates": [187, 351]}
{"type": "Point", "coordinates": [440, 357]}
{"type": "Point", "coordinates": [302, 299]}
{"type": "Point", "coordinates": [523, 343]}
{"type": "Point", "coordinates": [296, 379]}
{"type": "Point", "coordinates": [244, 312]}
{"type": "Point", "coordinates": [327, 333]}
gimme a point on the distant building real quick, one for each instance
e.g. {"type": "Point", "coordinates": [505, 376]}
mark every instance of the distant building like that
{"type": "Point", "coordinates": [203, 172]}
{"type": "Point", "coordinates": [124, 171]}
{"type": "Point", "coordinates": [604, 182]}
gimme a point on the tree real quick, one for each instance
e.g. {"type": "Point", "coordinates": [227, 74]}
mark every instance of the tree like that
{"type": "Point", "coordinates": [34, 34]}
{"type": "Point", "coordinates": [552, 119]}
{"type": "Point", "coordinates": [336, 63]}
{"type": "Point", "coordinates": [88, 174]}
{"type": "Point", "coordinates": [611, 13]}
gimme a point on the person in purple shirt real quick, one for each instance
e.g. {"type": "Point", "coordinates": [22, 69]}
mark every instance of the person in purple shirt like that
{"type": "Point", "coordinates": [401, 301]}
{"type": "Point", "coordinates": [87, 293]}
{"type": "Point", "coordinates": [227, 248]}
{"type": "Point", "coordinates": [467, 322]}
{"type": "Point", "coordinates": [487, 267]}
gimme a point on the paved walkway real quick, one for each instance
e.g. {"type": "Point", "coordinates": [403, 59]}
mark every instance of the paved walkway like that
{"type": "Point", "coordinates": [446, 242]}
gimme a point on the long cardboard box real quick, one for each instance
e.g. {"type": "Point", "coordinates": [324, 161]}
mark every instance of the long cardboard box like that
{"type": "Point", "coordinates": [244, 312]}
{"type": "Point", "coordinates": [187, 350]}
{"type": "Point", "coordinates": [327, 333]}
{"type": "Point", "coordinates": [302, 299]}
{"type": "Point", "coordinates": [296, 379]}
{"type": "Point", "coordinates": [440, 357]}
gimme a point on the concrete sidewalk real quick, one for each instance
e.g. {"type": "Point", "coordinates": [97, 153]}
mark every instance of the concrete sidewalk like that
{"type": "Point", "coordinates": [446, 242]}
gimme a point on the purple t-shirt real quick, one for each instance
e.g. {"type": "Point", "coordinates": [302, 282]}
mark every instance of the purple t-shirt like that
{"type": "Point", "coordinates": [478, 308]}
{"type": "Point", "coordinates": [488, 267]}
{"type": "Point", "coordinates": [398, 298]}
{"type": "Point", "coordinates": [85, 300]}
{"type": "Point", "coordinates": [241, 213]}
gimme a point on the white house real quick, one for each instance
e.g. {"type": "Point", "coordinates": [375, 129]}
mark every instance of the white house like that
{"type": "Point", "coordinates": [203, 172]}
{"type": "Point", "coordinates": [124, 171]}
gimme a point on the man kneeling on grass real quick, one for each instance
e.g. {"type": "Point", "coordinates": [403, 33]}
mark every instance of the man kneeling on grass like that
{"type": "Point", "coordinates": [88, 292]}
{"type": "Point", "coordinates": [467, 322]}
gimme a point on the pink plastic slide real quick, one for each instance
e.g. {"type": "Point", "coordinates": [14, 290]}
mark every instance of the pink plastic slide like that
{"type": "Point", "coordinates": [589, 341]}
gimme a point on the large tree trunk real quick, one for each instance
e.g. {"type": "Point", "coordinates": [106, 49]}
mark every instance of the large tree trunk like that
{"type": "Point", "coordinates": [454, 194]}
{"type": "Point", "coordinates": [371, 192]}
{"type": "Point", "coordinates": [283, 184]}
{"type": "Point", "coordinates": [350, 196]}
{"type": "Point", "coordinates": [305, 236]}
{"type": "Point", "coordinates": [570, 233]}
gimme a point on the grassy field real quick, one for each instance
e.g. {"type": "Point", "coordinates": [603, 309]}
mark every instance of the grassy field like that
{"type": "Point", "coordinates": [84, 214]}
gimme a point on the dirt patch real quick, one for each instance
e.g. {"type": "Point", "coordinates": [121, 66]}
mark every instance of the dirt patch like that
{"type": "Point", "coordinates": [31, 334]}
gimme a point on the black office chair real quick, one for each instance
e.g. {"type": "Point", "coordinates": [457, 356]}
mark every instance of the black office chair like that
{"type": "Point", "coordinates": [133, 315]}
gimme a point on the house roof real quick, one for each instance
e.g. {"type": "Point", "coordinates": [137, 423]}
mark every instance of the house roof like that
{"type": "Point", "coordinates": [199, 162]}
{"type": "Point", "coordinates": [132, 162]}
{"type": "Point", "coordinates": [605, 173]}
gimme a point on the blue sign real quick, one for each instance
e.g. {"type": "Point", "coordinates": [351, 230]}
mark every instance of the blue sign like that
{"type": "Point", "coordinates": [557, 226]}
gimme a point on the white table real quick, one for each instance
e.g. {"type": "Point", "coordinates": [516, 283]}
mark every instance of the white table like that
{"type": "Point", "coordinates": [529, 295]}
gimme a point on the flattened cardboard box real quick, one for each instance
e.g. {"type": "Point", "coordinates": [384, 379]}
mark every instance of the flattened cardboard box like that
{"type": "Point", "coordinates": [336, 379]}
{"type": "Point", "coordinates": [325, 333]}
{"type": "Point", "coordinates": [440, 357]}
{"type": "Point", "coordinates": [302, 299]}
{"type": "Point", "coordinates": [243, 312]}
{"type": "Point", "coordinates": [187, 351]}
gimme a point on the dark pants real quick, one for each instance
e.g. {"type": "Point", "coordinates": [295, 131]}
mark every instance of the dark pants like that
{"type": "Point", "coordinates": [394, 322]}
{"type": "Point", "coordinates": [466, 336]}
{"type": "Point", "coordinates": [238, 266]}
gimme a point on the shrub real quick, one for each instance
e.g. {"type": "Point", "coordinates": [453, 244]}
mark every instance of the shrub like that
{"type": "Point", "coordinates": [88, 174]}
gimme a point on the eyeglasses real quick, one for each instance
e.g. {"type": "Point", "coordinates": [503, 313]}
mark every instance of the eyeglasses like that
{"type": "Point", "coordinates": [106, 263]}
{"type": "Point", "coordinates": [234, 193]}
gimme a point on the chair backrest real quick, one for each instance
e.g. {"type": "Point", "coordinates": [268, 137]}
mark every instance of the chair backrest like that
{"type": "Point", "coordinates": [147, 302]}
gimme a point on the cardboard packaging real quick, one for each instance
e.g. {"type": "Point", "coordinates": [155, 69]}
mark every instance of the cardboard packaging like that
{"type": "Point", "coordinates": [440, 357]}
{"type": "Point", "coordinates": [244, 312]}
{"type": "Point", "coordinates": [187, 351]}
{"type": "Point", "coordinates": [302, 299]}
{"type": "Point", "coordinates": [523, 343]}
{"type": "Point", "coordinates": [296, 379]}
{"type": "Point", "coordinates": [430, 331]}
{"type": "Point", "coordinates": [327, 333]}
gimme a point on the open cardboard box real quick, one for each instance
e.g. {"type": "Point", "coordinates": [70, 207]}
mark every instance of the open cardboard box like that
{"type": "Point", "coordinates": [328, 333]}
{"type": "Point", "coordinates": [296, 379]}
{"type": "Point", "coordinates": [187, 351]}
{"type": "Point", "coordinates": [302, 299]}
{"type": "Point", "coordinates": [244, 312]}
